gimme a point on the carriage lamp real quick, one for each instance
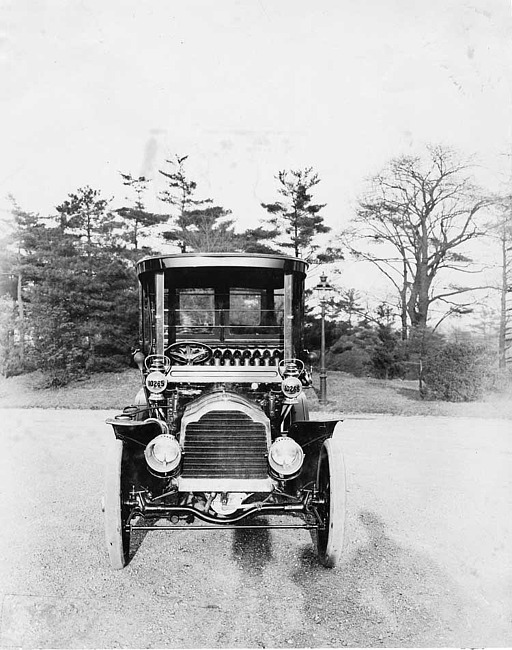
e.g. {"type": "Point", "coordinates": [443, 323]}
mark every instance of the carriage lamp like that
{"type": "Point", "coordinates": [291, 388]}
{"type": "Point", "coordinates": [291, 385]}
{"type": "Point", "coordinates": [156, 383]}
{"type": "Point", "coordinates": [163, 453]}
{"type": "Point", "coordinates": [285, 457]}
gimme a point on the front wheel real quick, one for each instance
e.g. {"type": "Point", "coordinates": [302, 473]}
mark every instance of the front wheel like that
{"type": "Point", "coordinates": [331, 487]}
{"type": "Point", "coordinates": [115, 511]}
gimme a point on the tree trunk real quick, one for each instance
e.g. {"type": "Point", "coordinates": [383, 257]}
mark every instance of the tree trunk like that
{"type": "Point", "coordinates": [417, 304]}
{"type": "Point", "coordinates": [403, 303]}
{"type": "Point", "coordinates": [502, 346]}
{"type": "Point", "coordinates": [21, 316]}
{"type": "Point", "coordinates": [423, 281]}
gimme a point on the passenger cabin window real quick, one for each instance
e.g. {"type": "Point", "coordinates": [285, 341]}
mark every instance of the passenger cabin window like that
{"type": "Point", "coordinates": [224, 313]}
{"type": "Point", "coordinates": [244, 308]}
{"type": "Point", "coordinates": [256, 312]}
{"type": "Point", "coordinates": [196, 311]}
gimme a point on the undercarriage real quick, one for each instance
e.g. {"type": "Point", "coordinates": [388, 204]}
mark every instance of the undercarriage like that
{"type": "Point", "coordinates": [191, 507]}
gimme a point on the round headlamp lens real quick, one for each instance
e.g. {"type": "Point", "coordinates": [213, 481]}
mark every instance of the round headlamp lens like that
{"type": "Point", "coordinates": [285, 456]}
{"type": "Point", "coordinates": [163, 453]}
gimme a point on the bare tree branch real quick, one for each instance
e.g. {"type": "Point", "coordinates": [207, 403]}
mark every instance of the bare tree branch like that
{"type": "Point", "coordinates": [426, 209]}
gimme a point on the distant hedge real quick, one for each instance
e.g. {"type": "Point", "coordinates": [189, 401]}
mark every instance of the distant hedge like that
{"type": "Point", "coordinates": [458, 372]}
{"type": "Point", "coordinates": [355, 361]}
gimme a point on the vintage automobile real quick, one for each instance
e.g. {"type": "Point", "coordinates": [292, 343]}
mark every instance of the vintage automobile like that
{"type": "Point", "coordinates": [219, 434]}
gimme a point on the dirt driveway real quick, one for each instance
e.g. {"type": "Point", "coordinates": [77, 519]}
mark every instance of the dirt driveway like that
{"type": "Point", "coordinates": [428, 554]}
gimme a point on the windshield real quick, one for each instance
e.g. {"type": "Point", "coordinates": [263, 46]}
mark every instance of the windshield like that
{"type": "Point", "coordinates": [225, 313]}
{"type": "Point", "coordinates": [223, 304]}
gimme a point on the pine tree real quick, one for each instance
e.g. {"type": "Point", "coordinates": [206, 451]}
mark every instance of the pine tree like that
{"type": "Point", "coordinates": [296, 216]}
{"type": "Point", "coordinates": [208, 230]}
{"type": "Point", "coordinates": [136, 218]}
{"type": "Point", "coordinates": [86, 214]}
{"type": "Point", "coordinates": [180, 194]}
{"type": "Point", "coordinates": [79, 289]}
{"type": "Point", "coordinates": [258, 240]}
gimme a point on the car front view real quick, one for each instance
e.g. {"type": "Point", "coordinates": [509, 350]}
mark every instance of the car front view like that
{"type": "Point", "coordinates": [219, 434]}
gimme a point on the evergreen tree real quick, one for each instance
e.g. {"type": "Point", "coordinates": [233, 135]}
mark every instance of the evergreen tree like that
{"type": "Point", "coordinates": [11, 361]}
{"type": "Point", "coordinates": [296, 216]}
{"type": "Point", "coordinates": [136, 218]}
{"type": "Point", "coordinates": [390, 352]}
{"type": "Point", "coordinates": [208, 230]}
{"type": "Point", "coordinates": [258, 240]}
{"type": "Point", "coordinates": [180, 193]}
{"type": "Point", "coordinates": [79, 289]}
{"type": "Point", "coordinates": [87, 216]}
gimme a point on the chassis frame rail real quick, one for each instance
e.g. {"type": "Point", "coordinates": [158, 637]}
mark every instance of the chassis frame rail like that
{"type": "Point", "coordinates": [224, 527]}
{"type": "Point", "coordinates": [161, 511]}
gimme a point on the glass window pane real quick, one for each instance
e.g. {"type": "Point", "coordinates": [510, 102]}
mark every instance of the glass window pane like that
{"type": "Point", "coordinates": [278, 311]}
{"type": "Point", "coordinates": [244, 307]}
{"type": "Point", "coordinates": [196, 308]}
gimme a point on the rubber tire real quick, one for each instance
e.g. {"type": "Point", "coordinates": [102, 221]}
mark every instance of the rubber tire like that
{"type": "Point", "coordinates": [117, 539]}
{"type": "Point", "coordinates": [331, 484]}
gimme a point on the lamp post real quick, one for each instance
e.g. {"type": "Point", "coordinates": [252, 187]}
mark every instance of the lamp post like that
{"type": "Point", "coordinates": [324, 289]}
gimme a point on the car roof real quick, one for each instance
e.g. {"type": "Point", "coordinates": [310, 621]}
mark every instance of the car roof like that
{"type": "Point", "coordinates": [219, 260]}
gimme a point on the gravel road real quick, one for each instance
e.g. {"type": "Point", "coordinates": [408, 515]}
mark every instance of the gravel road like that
{"type": "Point", "coordinates": [428, 552]}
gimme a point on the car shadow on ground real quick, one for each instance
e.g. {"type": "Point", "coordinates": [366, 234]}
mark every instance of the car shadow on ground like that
{"type": "Point", "coordinates": [136, 539]}
{"type": "Point", "coordinates": [252, 548]}
{"type": "Point", "coordinates": [384, 594]}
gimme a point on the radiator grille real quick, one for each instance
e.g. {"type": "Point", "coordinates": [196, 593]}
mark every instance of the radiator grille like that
{"type": "Point", "coordinates": [225, 444]}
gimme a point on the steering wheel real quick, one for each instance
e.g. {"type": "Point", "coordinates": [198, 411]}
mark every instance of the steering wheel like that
{"type": "Point", "coordinates": [189, 353]}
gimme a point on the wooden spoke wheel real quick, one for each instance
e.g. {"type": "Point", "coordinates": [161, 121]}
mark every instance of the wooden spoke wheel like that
{"type": "Point", "coordinates": [115, 510]}
{"type": "Point", "coordinates": [331, 487]}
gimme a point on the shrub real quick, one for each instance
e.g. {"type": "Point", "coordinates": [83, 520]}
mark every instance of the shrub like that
{"type": "Point", "coordinates": [389, 355]}
{"type": "Point", "coordinates": [355, 361]}
{"type": "Point", "coordinates": [57, 350]}
{"type": "Point", "coordinates": [109, 363]}
{"type": "Point", "coordinates": [457, 372]}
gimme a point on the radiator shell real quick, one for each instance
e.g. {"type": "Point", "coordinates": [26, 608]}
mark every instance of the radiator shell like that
{"type": "Point", "coordinates": [225, 440]}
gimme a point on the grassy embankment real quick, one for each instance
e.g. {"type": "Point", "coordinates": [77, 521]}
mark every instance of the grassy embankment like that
{"type": "Point", "coordinates": [347, 394]}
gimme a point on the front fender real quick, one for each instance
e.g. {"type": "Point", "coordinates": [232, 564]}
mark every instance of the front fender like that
{"type": "Point", "coordinates": [137, 432]}
{"type": "Point", "coordinates": [310, 434]}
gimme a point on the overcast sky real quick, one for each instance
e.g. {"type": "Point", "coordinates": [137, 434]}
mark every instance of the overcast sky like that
{"type": "Point", "coordinates": [247, 88]}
